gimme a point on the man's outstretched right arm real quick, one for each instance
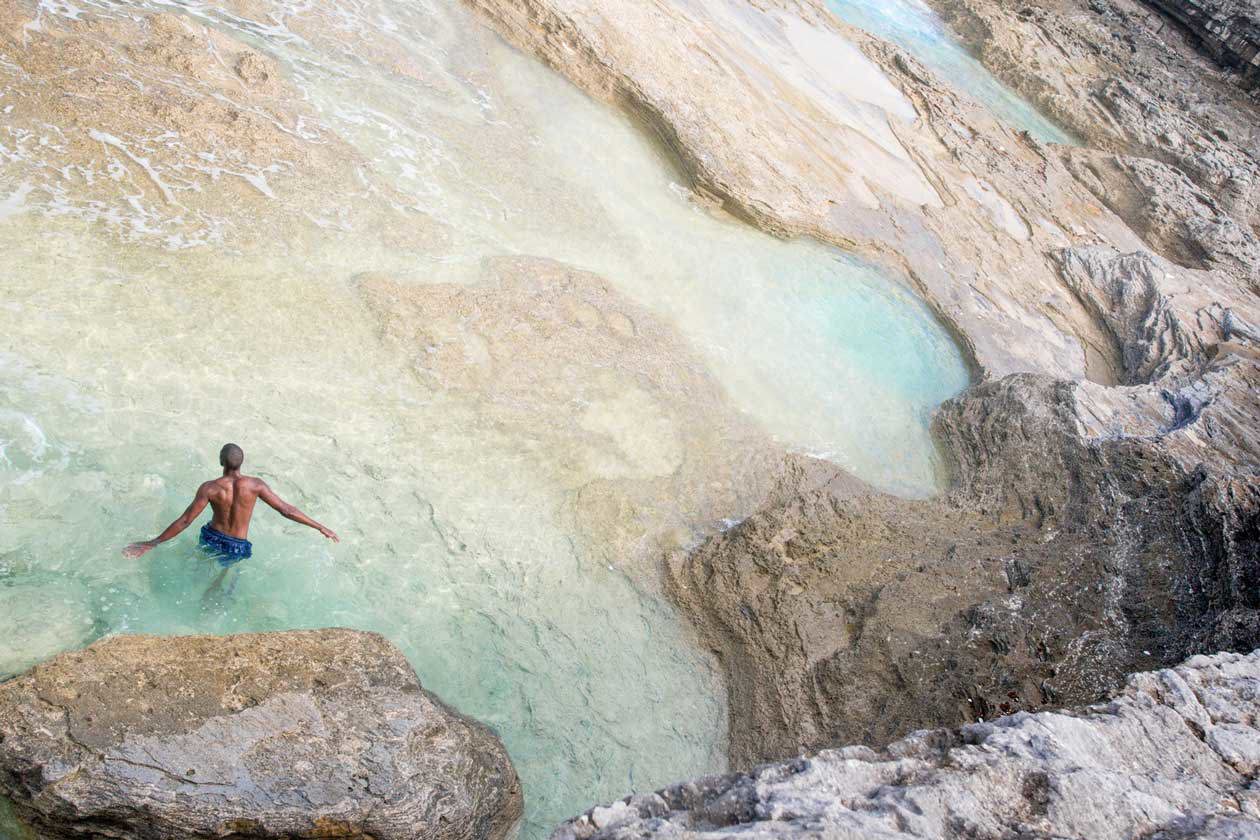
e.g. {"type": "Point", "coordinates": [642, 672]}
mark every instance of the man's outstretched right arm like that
{"type": "Point", "coordinates": [183, 521]}
{"type": "Point", "coordinates": [290, 512]}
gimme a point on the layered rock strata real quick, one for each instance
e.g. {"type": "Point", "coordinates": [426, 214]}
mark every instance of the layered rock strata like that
{"type": "Point", "coordinates": [1229, 29]}
{"type": "Point", "coordinates": [323, 733]}
{"type": "Point", "coordinates": [1174, 755]}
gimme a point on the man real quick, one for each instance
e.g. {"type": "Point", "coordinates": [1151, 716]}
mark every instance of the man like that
{"type": "Point", "coordinates": [232, 499]}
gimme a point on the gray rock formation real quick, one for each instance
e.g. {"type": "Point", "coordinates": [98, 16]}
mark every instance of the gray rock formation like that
{"type": "Point", "coordinates": [1175, 218]}
{"type": "Point", "coordinates": [1174, 755]}
{"type": "Point", "coordinates": [1105, 506]}
{"type": "Point", "coordinates": [1066, 557]}
{"type": "Point", "coordinates": [323, 733]}
{"type": "Point", "coordinates": [1124, 80]}
{"type": "Point", "coordinates": [1229, 29]}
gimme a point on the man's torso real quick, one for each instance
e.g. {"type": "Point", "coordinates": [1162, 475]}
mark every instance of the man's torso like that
{"type": "Point", "coordinates": [232, 500]}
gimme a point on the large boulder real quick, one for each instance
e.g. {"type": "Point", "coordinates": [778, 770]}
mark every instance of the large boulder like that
{"type": "Point", "coordinates": [323, 733]}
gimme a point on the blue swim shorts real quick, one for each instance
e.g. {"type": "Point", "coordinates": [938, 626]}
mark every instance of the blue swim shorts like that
{"type": "Point", "coordinates": [227, 550]}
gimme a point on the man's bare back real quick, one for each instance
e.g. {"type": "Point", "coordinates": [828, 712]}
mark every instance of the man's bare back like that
{"type": "Point", "coordinates": [232, 501]}
{"type": "Point", "coordinates": [231, 498]}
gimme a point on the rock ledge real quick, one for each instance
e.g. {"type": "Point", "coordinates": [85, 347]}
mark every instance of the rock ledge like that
{"type": "Point", "coordinates": [1173, 755]}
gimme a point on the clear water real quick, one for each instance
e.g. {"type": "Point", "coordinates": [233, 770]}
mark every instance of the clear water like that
{"type": "Point", "coordinates": [134, 343]}
{"type": "Point", "coordinates": [913, 25]}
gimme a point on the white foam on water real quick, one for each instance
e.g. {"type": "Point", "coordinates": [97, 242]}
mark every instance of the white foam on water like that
{"type": "Point", "coordinates": [14, 201]}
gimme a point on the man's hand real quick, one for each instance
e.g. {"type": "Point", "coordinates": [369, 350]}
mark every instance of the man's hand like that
{"type": "Point", "coordinates": [139, 549]}
{"type": "Point", "coordinates": [328, 533]}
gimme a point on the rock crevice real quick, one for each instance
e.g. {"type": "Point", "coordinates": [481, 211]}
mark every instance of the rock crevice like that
{"type": "Point", "coordinates": [1229, 29]}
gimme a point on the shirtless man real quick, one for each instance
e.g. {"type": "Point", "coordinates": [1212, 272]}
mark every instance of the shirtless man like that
{"type": "Point", "coordinates": [232, 499]}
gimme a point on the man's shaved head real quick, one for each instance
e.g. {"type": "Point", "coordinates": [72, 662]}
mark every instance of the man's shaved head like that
{"type": "Point", "coordinates": [231, 456]}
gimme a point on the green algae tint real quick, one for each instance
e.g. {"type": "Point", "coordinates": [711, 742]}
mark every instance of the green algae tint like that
{"type": "Point", "coordinates": [10, 828]}
{"type": "Point", "coordinates": [125, 362]}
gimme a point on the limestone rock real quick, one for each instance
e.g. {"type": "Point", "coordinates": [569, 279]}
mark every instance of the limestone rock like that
{"type": "Point", "coordinates": [296, 734]}
{"type": "Point", "coordinates": [1173, 755]}
{"type": "Point", "coordinates": [1175, 218]}
{"type": "Point", "coordinates": [882, 159]}
{"type": "Point", "coordinates": [1066, 555]}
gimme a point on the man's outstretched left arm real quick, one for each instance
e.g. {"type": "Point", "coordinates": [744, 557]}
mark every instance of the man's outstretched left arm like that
{"type": "Point", "coordinates": [290, 512]}
{"type": "Point", "coordinates": [185, 519]}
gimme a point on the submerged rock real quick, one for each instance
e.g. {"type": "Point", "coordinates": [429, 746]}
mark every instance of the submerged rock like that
{"type": "Point", "coordinates": [641, 435]}
{"type": "Point", "coordinates": [322, 733]}
{"type": "Point", "coordinates": [41, 618]}
{"type": "Point", "coordinates": [1173, 755]}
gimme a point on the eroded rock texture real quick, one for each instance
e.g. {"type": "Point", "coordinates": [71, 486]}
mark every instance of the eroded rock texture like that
{"type": "Point", "coordinates": [322, 733]}
{"type": "Point", "coordinates": [1104, 512]}
{"type": "Point", "coordinates": [1062, 561]}
{"type": "Point", "coordinates": [1229, 29]}
{"type": "Point", "coordinates": [1174, 755]}
{"type": "Point", "coordinates": [1124, 80]}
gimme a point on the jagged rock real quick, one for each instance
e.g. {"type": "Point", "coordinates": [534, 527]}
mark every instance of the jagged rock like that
{"type": "Point", "coordinates": [1123, 81]}
{"type": "Point", "coordinates": [1175, 218]}
{"type": "Point", "coordinates": [1173, 755]}
{"type": "Point", "coordinates": [1093, 527]}
{"type": "Point", "coordinates": [1126, 291]}
{"type": "Point", "coordinates": [323, 733]}
{"type": "Point", "coordinates": [1229, 29]}
{"type": "Point", "coordinates": [1061, 561]}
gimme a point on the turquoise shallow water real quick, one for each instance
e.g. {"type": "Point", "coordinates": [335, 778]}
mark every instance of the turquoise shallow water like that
{"type": "Point", "coordinates": [913, 25]}
{"type": "Point", "coordinates": [126, 361]}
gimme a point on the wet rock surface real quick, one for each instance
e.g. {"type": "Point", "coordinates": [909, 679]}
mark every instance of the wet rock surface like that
{"type": "Point", "coordinates": [1173, 755]}
{"type": "Point", "coordinates": [629, 379]}
{"type": "Point", "coordinates": [849, 616]}
{"type": "Point", "coordinates": [173, 133]}
{"type": "Point", "coordinates": [297, 734]}
{"type": "Point", "coordinates": [1104, 511]}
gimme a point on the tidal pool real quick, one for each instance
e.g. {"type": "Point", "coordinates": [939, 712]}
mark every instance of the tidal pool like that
{"type": "Point", "coordinates": [129, 354]}
{"type": "Point", "coordinates": [913, 25]}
